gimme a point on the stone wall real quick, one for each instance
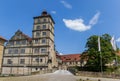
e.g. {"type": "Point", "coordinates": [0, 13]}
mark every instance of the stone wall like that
{"type": "Point", "coordinates": [98, 74]}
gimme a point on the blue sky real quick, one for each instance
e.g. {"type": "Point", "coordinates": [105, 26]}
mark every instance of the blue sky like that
{"type": "Point", "coordinates": [76, 20]}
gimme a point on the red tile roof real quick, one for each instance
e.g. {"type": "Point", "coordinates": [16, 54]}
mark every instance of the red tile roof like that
{"type": "Point", "coordinates": [70, 57]}
{"type": "Point", "coordinates": [2, 38]}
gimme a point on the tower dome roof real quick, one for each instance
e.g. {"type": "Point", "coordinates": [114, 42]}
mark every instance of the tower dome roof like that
{"type": "Point", "coordinates": [44, 12]}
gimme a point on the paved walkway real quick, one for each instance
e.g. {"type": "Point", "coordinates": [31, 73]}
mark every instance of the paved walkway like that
{"type": "Point", "coordinates": [60, 75]}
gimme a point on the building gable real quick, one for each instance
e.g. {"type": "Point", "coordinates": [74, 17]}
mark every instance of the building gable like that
{"type": "Point", "coordinates": [19, 35]}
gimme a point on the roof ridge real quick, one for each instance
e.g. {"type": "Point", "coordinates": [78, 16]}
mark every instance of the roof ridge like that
{"type": "Point", "coordinates": [2, 38]}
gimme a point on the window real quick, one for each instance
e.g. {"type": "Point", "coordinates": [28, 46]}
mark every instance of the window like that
{"type": "Point", "coordinates": [11, 43]}
{"type": "Point", "coordinates": [9, 61]}
{"type": "Point", "coordinates": [44, 26]}
{"type": "Point", "coordinates": [16, 51]}
{"type": "Point", "coordinates": [40, 68]}
{"type": "Point", "coordinates": [17, 42]}
{"type": "Point", "coordinates": [22, 61]}
{"type": "Point", "coordinates": [43, 50]}
{"type": "Point", "coordinates": [37, 59]}
{"type": "Point", "coordinates": [9, 51]}
{"type": "Point", "coordinates": [23, 42]}
{"type": "Point", "coordinates": [38, 21]}
{"type": "Point", "coordinates": [22, 51]}
{"type": "Point", "coordinates": [36, 69]}
{"type": "Point", "coordinates": [18, 37]}
{"type": "Point", "coordinates": [44, 33]}
{"type": "Point", "coordinates": [38, 28]}
{"type": "Point", "coordinates": [43, 41]}
{"type": "Point", "coordinates": [77, 62]}
{"type": "Point", "coordinates": [37, 34]}
{"type": "Point", "coordinates": [41, 60]}
{"type": "Point", "coordinates": [36, 50]}
{"type": "Point", "coordinates": [44, 20]}
{"type": "Point", "coordinates": [36, 41]}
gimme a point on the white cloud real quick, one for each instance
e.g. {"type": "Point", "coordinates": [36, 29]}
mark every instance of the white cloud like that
{"type": "Point", "coordinates": [118, 40]}
{"type": "Point", "coordinates": [95, 18]}
{"type": "Point", "coordinates": [79, 25]}
{"type": "Point", "coordinates": [61, 53]}
{"type": "Point", "coordinates": [53, 12]}
{"type": "Point", "coordinates": [66, 4]}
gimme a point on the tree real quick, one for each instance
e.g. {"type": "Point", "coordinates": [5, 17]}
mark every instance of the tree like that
{"type": "Point", "coordinates": [93, 55]}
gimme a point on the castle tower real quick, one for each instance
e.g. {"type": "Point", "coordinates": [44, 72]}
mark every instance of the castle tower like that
{"type": "Point", "coordinates": [43, 42]}
{"type": "Point", "coordinates": [24, 55]}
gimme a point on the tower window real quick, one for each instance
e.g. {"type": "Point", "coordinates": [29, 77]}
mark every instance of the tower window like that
{"type": "Point", "coordinates": [37, 34]}
{"type": "Point", "coordinates": [44, 20]}
{"type": "Point", "coordinates": [43, 41]}
{"type": "Point", "coordinates": [44, 26]}
{"type": "Point", "coordinates": [38, 27]}
{"type": "Point", "coordinates": [36, 41]}
{"type": "Point", "coordinates": [38, 21]}
{"type": "Point", "coordinates": [44, 33]}
{"type": "Point", "coordinates": [43, 50]}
